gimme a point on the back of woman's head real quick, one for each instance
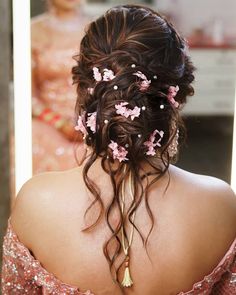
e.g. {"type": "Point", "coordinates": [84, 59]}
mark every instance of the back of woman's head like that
{"type": "Point", "coordinates": [133, 76]}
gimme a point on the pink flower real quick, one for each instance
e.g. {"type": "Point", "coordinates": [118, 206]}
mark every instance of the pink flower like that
{"type": "Point", "coordinates": [119, 152]}
{"type": "Point", "coordinates": [80, 125]}
{"type": "Point", "coordinates": [134, 113]}
{"type": "Point", "coordinates": [171, 95]}
{"type": "Point", "coordinates": [122, 110]}
{"type": "Point", "coordinates": [145, 83]}
{"type": "Point", "coordinates": [91, 121]}
{"type": "Point", "coordinates": [90, 90]}
{"type": "Point", "coordinates": [151, 144]}
{"type": "Point", "coordinates": [113, 145]}
{"type": "Point", "coordinates": [108, 75]}
{"type": "Point", "coordinates": [96, 74]}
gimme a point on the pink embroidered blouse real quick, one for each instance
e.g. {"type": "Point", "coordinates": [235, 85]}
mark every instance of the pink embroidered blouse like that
{"type": "Point", "coordinates": [23, 274]}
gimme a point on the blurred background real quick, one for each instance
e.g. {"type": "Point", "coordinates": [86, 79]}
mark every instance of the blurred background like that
{"type": "Point", "coordinates": [57, 27]}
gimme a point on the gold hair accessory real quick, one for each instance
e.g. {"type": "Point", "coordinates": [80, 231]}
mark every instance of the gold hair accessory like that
{"type": "Point", "coordinates": [127, 280]}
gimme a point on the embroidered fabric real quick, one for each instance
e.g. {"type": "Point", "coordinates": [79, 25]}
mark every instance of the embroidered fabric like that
{"type": "Point", "coordinates": [23, 274]}
{"type": "Point", "coordinates": [52, 87]}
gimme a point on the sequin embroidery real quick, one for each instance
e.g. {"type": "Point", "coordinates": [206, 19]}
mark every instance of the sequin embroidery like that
{"type": "Point", "coordinates": [23, 274]}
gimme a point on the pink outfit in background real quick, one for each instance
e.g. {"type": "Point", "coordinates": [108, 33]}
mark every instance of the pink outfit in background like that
{"type": "Point", "coordinates": [52, 86]}
{"type": "Point", "coordinates": [23, 274]}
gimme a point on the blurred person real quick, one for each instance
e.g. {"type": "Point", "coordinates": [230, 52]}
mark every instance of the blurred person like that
{"type": "Point", "coordinates": [55, 37]}
{"type": "Point", "coordinates": [127, 220]}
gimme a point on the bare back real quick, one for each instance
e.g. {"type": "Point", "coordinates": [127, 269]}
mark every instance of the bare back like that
{"type": "Point", "coordinates": [194, 224]}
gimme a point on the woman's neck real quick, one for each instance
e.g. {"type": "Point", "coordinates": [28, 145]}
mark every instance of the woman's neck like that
{"type": "Point", "coordinates": [63, 14]}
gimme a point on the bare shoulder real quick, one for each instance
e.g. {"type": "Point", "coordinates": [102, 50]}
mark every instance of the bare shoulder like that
{"type": "Point", "coordinates": [209, 193]}
{"type": "Point", "coordinates": [203, 212]}
{"type": "Point", "coordinates": [41, 201]}
{"type": "Point", "coordinates": [209, 205]}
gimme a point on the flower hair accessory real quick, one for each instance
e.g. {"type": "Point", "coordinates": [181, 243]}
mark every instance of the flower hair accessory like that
{"type": "Point", "coordinates": [108, 75]}
{"type": "Point", "coordinates": [80, 125]}
{"type": "Point", "coordinates": [119, 152]}
{"type": "Point", "coordinates": [90, 90]}
{"type": "Point", "coordinates": [145, 82]}
{"type": "Point", "coordinates": [152, 143]}
{"type": "Point", "coordinates": [173, 90]}
{"type": "Point", "coordinates": [90, 123]}
{"type": "Point", "coordinates": [96, 74]}
{"type": "Point", "coordinates": [122, 110]}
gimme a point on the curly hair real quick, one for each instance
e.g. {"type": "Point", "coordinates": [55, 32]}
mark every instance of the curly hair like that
{"type": "Point", "coordinates": [124, 36]}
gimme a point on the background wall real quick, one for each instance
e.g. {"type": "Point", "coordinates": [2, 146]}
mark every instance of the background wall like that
{"type": "Point", "coordinates": [191, 14]}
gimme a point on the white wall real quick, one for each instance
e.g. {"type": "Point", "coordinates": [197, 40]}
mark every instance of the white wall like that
{"type": "Point", "coordinates": [201, 13]}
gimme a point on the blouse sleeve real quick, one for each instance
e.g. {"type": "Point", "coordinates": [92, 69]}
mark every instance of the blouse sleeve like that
{"type": "Point", "coordinates": [17, 278]}
{"type": "Point", "coordinates": [227, 283]}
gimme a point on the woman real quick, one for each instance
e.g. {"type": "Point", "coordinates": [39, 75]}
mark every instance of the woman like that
{"type": "Point", "coordinates": [126, 221]}
{"type": "Point", "coordinates": [55, 39]}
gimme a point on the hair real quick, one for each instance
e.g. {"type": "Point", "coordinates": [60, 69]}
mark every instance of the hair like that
{"type": "Point", "coordinates": [123, 36]}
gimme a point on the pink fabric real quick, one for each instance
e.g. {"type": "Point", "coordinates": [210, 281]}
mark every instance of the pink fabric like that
{"type": "Point", "coordinates": [52, 63]}
{"type": "Point", "coordinates": [23, 274]}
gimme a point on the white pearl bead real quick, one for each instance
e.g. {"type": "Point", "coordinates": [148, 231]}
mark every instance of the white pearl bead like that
{"type": "Point", "coordinates": [143, 108]}
{"type": "Point", "coordinates": [115, 87]}
{"type": "Point", "coordinates": [133, 66]}
{"type": "Point", "coordinates": [127, 145]}
{"type": "Point", "coordinates": [105, 121]}
{"type": "Point", "coordinates": [155, 77]}
{"type": "Point", "coordinates": [139, 135]}
{"type": "Point", "coordinates": [162, 106]}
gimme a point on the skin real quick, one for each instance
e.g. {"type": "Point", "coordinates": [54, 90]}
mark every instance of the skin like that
{"type": "Point", "coordinates": [64, 7]}
{"type": "Point", "coordinates": [195, 223]}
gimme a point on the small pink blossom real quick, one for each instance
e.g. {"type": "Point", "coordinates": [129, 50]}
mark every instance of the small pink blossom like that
{"type": "Point", "coordinates": [80, 125]}
{"type": "Point", "coordinates": [108, 75]}
{"type": "Point", "coordinates": [90, 90]}
{"type": "Point", "coordinates": [145, 83]}
{"type": "Point", "coordinates": [122, 110]}
{"type": "Point", "coordinates": [91, 121]}
{"type": "Point", "coordinates": [118, 152]}
{"type": "Point", "coordinates": [135, 113]}
{"type": "Point", "coordinates": [96, 74]}
{"type": "Point", "coordinates": [173, 90]}
{"type": "Point", "coordinates": [151, 144]}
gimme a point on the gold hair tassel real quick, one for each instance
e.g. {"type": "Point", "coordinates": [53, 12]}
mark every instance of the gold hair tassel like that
{"type": "Point", "coordinates": [127, 281]}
